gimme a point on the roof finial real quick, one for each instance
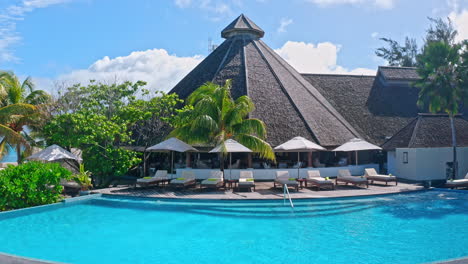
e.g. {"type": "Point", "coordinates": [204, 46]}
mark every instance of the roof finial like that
{"type": "Point", "coordinates": [242, 25]}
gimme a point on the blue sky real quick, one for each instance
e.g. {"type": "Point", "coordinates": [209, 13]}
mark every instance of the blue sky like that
{"type": "Point", "coordinates": [66, 41]}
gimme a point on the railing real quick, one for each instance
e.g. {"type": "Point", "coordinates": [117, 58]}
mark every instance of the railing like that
{"type": "Point", "coordinates": [286, 192]}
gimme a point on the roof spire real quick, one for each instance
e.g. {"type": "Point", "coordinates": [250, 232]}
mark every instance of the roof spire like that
{"type": "Point", "coordinates": [242, 26]}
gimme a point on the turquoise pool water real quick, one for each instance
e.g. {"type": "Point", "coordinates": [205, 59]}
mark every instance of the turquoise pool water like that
{"type": "Point", "coordinates": [407, 228]}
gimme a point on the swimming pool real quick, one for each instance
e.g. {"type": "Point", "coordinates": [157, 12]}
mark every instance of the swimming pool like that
{"type": "Point", "coordinates": [405, 228]}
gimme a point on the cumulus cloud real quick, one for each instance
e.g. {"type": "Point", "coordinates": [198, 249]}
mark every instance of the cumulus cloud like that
{"type": "Point", "coordinates": [8, 19]}
{"type": "Point", "coordinates": [157, 67]}
{"type": "Point", "coordinates": [283, 24]}
{"type": "Point", "coordinates": [320, 58]}
{"type": "Point", "coordinates": [460, 21]}
{"type": "Point", "coordinates": [386, 4]}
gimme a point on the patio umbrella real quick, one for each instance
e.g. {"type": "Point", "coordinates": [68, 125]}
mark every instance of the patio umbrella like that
{"type": "Point", "coordinates": [171, 145]}
{"type": "Point", "coordinates": [54, 153]}
{"type": "Point", "coordinates": [298, 144]}
{"type": "Point", "coordinates": [357, 144]}
{"type": "Point", "coordinates": [230, 146]}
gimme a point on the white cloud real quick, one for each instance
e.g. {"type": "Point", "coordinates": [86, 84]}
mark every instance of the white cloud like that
{"type": "Point", "coordinates": [157, 67]}
{"type": "Point", "coordinates": [374, 35]}
{"type": "Point", "coordinates": [460, 22]}
{"type": "Point", "coordinates": [183, 3]}
{"type": "Point", "coordinates": [8, 19]}
{"type": "Point", "coordinates": [283, 24]}
{"type": "Point", "coordinates": [385, 4]}
{"type": "Point", "coordinates": [320, 58]}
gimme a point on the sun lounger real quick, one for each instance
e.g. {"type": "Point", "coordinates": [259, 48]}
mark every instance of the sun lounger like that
{"type": "Point", "coordinates": [314, 179]}
{"type": "Point", "coordinates": [282, 178]}
{"type": "Point", "coordinates": [159, 177]}
{"type": "Point", "coordinates": [372, 176]}
{"type": "Point", "coordinates": [215, 180]}
{"type": "Point", "coordinates": [246, 180]}
{"type": "Point", "coordinates": [453, 184]}
{"type": "Point", "coordinates": [187, 179]}
{"type": "Point", "coordinates": [346, 177]}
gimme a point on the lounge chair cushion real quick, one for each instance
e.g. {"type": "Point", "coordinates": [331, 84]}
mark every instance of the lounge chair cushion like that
{"type": "Point", "coordinates": [352, 178]}
{"type": "Point", "coordinates": [211, 181]}
{"type": "Point", "coordinates": [372, 174]}
{"type": "Point", "coordinates": [319, 180]}
{"type": "Point", "coordinates": [457, 182]}
{"type": "Point", "coordinates": [182, 180]}
{"type": "Point", "coordinates": [286, 181]}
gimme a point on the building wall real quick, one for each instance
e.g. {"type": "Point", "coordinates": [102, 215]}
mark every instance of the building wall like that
{"type": "Point", "coordinates": [391, 160]}
{"type": "Point", "coordinates": [426, 163]}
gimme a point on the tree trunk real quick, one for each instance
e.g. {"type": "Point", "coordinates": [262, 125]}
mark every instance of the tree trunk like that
{"type": "Point", "coordinates": [18, 153]}
{"type": "Point", "coordinates": [454, 145]}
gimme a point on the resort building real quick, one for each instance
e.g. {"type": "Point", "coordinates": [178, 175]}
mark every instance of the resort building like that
{"type": "Point", "coordinates": [328, 109]}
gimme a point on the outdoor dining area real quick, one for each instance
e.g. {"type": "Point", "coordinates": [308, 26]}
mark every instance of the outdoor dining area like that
{"type": "Point", "coordinates": [295, 167]}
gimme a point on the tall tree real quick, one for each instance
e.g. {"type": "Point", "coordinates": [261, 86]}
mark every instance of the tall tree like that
{"type": "Point", "coordinates": [22, 94]}
{"type": "Point", "coordinates": [442, 83]}
{"type": "Point", "coordinates": [405, 55]}
{"type": "Point", "coordinates": [212, 116]}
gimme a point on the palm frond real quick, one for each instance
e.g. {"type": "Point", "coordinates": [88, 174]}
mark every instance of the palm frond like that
{"type": "Point", "coordinates": [7, 112]}
{"type": "Point", "coordinates": [251, 126]}
{"type": "Point", "coordinates": [257, 145]}
{"type": "Point", "coordinates": [38, 97]}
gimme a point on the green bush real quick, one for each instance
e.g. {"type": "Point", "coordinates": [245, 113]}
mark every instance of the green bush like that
{"type": "Point", "coordinates": [31, 184]}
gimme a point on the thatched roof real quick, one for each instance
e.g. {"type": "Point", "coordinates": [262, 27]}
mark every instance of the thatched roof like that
{"type": "Point", "coordinates": [398, 73]}
{"type": "Point", "coordinates": [242, 25]}
{"type": "Point", "coordinates": [289, 105]}
{"type": "Point", "coordinates": [429, 131]}
{"type": "Point", "coordinates": [376, 111]}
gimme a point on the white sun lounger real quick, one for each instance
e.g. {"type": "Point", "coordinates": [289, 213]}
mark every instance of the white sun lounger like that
{"type": "Point", "coordinates": [372, 176]}
{"type": "Point", "coordinates": [282, 178]}
{"type": "Point", "coordinates": [314, 179]}
{"type": "Point", "coordinates": [457, 183]}
{"type": "Point", "coordinates": [187, 179]}
{"type": "Point", "coordinates": [346, 177]}
{"type": "Point", "coordinates": [215, 180]}
{"type": "Point", "coordinates": [159, 177]}
{"type": "Point", "coordinates": [246, 180]}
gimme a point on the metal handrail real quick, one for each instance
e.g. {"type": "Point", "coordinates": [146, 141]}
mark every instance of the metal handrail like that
{"type": "Point", "coordinates": [286, 191]}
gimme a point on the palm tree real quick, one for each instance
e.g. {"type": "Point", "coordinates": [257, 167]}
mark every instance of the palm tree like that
{"type": "Point", "coordinates": [212, 117]}
{"type": "Point", "coordinates": [22, 97]}
{"type": "Point", "coordinates": [441, 84]}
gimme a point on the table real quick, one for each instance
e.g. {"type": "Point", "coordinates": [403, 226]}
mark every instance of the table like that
{"type": "Point", "coordinates": [230, 184]}
{"type": "Point", "coordinates": [301, 183]}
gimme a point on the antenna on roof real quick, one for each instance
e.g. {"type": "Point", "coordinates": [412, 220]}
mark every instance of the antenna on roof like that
{"type": "Point", "coordinates": [211, 46]}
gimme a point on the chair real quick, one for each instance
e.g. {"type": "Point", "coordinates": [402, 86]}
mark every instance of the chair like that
{"type": "Point", "coordinates": [159, 177]}
{"type": "Point", "coordinates": [215, 180]}
{"type": "Point", "coordinates": [372, 175]}
{"type": "Point", "coordinates": [187, 179]}
{"type": "Point", "coordinates": [453, 184]}
{"type": "Point", "coordinates": [346, 177]}
{"type": "Point", "coordinates": [246, 180]}
{"type": "Point", "coordinates": [282, 178]}
{"type": "Point", "coordinates": [314, 179]}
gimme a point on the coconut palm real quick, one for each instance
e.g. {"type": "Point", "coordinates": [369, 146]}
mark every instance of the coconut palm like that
{"type": "Point", "coordinates": [212, 116]}
{"type": "Point", "coordinates": [22, 97]}
{"type": "Point", "coordinates": [441, 83]}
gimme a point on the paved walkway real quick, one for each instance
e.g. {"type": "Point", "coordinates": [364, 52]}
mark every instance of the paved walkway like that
{"type": "Point", "coordinates": [264, 190]}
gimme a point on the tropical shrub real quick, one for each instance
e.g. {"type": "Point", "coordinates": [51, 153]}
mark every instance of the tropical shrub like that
{"type": "Point", "coordinates": [83, 178]}
{"type": "Point", "coordinates": [31, 184]}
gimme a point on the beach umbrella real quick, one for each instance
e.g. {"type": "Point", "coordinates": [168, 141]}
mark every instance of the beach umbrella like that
{"type": "Point", "coordinates": [230, 146]}
{"type": "Point", "coordinates": [357, 144]}
{"type": "Point", "coordinates": [298, 144]}
{"type": "Point", "coordinates": [171, 145]}
{"type": "Point", "coordinates": [54, 153]}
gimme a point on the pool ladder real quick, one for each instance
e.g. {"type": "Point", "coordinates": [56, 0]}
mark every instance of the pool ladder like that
{"type": "Point", "coordinates": [286, 193]}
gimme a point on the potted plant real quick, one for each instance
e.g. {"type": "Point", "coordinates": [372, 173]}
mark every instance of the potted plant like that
{"type": "Point", "coordinates": [83, 178]}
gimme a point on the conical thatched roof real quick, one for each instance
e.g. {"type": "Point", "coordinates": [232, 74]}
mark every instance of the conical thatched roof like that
{"type": "Point", "coordinates": [289, 105]}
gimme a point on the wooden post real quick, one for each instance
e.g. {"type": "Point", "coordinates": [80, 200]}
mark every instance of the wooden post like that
{"type": "Point", "coordinates": [249, 160]}
{"type": "Point", "coordinates": [309, 159]}
{"type": "Point", "coordinates": [188, 161]}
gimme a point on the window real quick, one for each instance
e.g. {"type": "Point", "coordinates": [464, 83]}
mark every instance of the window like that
{"type": "Point", "coordinates": [405, 157]}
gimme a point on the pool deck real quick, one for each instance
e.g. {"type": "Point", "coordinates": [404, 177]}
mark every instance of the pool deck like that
{"type": "Point", "coordinates": [264, 190]}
